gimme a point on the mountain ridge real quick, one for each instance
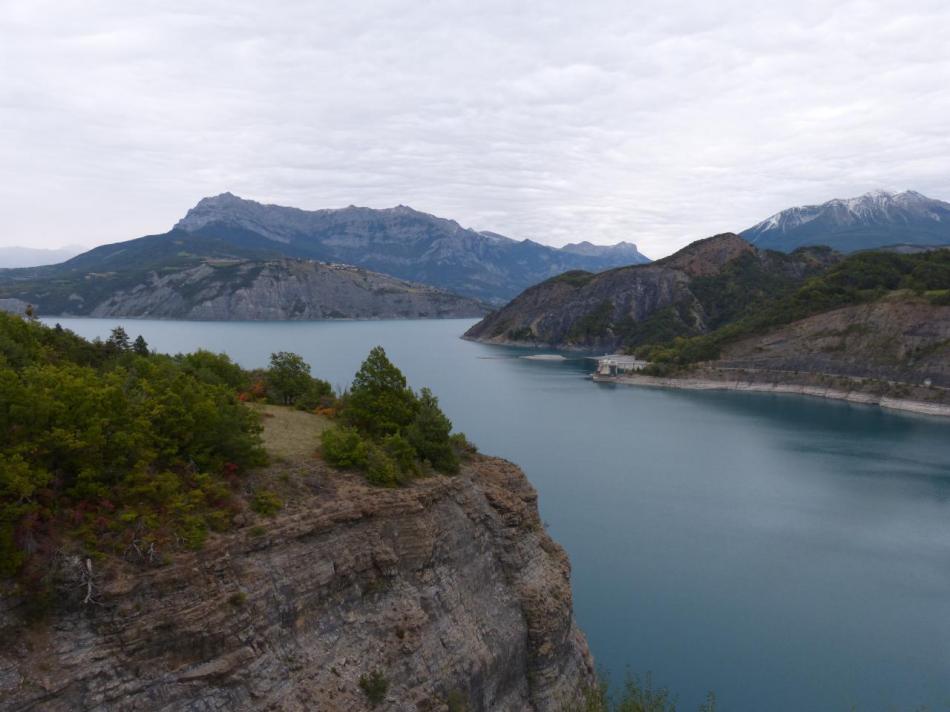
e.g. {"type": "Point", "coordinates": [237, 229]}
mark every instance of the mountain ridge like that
{"type": "Point", "coordinates": [875, 219]}
{"type": "Point", "coordinates": [405, 243]}
{"type": "Point", "coordinates": [231, 288]}
{"type": "Point", "coordinates": [690, 292]}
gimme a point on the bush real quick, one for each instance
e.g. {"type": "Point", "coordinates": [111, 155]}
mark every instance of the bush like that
{"type": "Point", "coordinates": [216, 369]}
{"type": "Point", "coordinates": [402, 454]}
{"type": "Point", "coordinates": [381, 469]}
{"type": "Point", "coordinates": [429, 434]}
{"type": "Point", "coordinates": [374, 686]}
{"type": "Point", "coordinates": [266, 503]}
{"type": "Point", "coordinates": [343, 447]}
{"type": "Point", "coordinates": [463, 447]}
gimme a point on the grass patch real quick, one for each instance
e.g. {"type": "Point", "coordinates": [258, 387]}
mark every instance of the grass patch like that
{"type": "Point", "coordinates": [290, 434]}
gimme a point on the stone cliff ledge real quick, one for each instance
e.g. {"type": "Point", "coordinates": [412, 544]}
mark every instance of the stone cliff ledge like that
{"type": "Point", "coordinates": [450, 588]}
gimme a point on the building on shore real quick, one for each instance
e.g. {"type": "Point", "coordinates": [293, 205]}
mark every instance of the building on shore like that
{"type": "Point", "coordinates": [618, 365]}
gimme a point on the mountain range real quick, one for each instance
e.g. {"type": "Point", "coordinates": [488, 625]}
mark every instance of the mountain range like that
{"type": "Point", "coordinates": [401, 242]}
{"type": "Point", "coordinates": [873, 220]}
{"type": "Point", "coordinates": [415, 250]}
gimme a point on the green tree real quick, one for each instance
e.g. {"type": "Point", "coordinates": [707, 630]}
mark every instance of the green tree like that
{"type": "Point", "coordinates": [288, 376]}
{"type": "Point", "coordinates": [380, 402]}
{"type": "Point", "coordinates": [403, 454]}
{"type": "Point", "coordinates": [430, 434]}
{"type": "Point", "coordinates": [119, 340]}
{"type": "Point", "coordinates": [140, 346]}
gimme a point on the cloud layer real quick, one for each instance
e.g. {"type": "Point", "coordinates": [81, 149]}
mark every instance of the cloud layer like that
{"type": "Point", "coordinates": [655, 122]}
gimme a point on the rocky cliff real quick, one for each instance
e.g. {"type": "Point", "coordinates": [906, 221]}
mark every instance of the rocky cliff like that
{"type": "Point", "coordinates": [400, 241]}
{"type": "Point", "coordinates": [450, 588]}
{"type": "Point", "coordinates": [234, 289]}
{"type": "Point", "coordinates": [681, 295]}
{"type": "Point", "coordinates": [902, 338]}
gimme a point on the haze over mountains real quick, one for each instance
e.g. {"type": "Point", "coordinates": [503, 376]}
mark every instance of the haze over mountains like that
{"type": "Point", "coordinates": [12, 257]}
{"type": "Point", "coordinates": [875, 219]}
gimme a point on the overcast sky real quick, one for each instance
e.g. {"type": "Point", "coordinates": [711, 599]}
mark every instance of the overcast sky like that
{"type": "Point", "coordinates": [654, 122]}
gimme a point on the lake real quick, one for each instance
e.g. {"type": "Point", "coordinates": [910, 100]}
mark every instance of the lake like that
{"type": "Point", "coordinates": [788, 553]}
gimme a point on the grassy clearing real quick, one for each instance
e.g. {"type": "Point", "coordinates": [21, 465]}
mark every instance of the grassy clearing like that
{"type": "Point", "coordinates": [290, 434]}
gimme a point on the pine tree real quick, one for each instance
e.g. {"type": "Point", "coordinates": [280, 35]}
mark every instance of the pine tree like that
{"type": "Point", "coordinates": [140, 346]}
{"type": "Point", "coordinates": [429, 434]}
{"type": "Point", "coordinates": [119, 339]}
{"type": "Point", "coordinates": [380, 402]}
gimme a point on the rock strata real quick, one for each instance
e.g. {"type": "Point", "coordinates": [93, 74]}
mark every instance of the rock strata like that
{"type": "Point", "coordinates": [450, 588]}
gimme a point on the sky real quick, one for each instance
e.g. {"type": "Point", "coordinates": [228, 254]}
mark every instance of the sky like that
{"type": "Point", "coordinates": [652, 122]}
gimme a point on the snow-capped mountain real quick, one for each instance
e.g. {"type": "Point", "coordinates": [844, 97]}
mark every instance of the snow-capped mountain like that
{"type": "Point", "coordinates": [875, 219]}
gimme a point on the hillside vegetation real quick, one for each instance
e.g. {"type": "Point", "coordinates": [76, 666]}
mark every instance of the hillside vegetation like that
{"type": "Point", "coordinates": [105, 445]}
{"type": "Point", "coordinates": [859, 279]}
{"type": "Point", "coordinates": [109, 449]}
{"type": "Point", "coordinates": [703, 286]}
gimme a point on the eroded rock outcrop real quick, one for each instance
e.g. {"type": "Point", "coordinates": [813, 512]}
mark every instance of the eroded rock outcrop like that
{"type": "Point", "coordinates": [450, 587]}
{"type": "Point", "coordinates": [628, 306]}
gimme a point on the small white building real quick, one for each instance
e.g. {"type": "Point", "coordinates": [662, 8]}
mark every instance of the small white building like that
{"type": "Point", "coordinates": [618, 365]}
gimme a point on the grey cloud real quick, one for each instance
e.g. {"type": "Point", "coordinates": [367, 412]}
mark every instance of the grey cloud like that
{"type": "Point", "coordinates": [655, 122]}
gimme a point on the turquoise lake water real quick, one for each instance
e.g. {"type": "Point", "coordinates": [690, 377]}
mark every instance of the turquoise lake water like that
{"type": "Point", "coordinates": [788, 553]}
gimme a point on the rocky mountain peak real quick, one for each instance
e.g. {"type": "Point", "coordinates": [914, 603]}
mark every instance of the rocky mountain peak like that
{"type": "Point", "coordinates": [875, 219]}
{"type": "Point", "coordinates": [706, 257]}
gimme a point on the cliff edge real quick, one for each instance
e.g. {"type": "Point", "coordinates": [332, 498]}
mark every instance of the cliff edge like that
{"type": "Point", "coordinates": [450, 589]}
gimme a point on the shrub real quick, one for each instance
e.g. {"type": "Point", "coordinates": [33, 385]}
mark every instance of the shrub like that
{"type": "Point", "coordinates": [403, 455]}
{"type": "Point", "coordinates": [429, 434]}
{"type": "Point", "coordinates": [266, 503]}
{"type": "Point", "coordinates": [374, 686]}
{"type": "Point", "coordinates": [343, 447]}
{"type": "Point", "coordinates": [463, 447]}
{"type": "Point", "coordinates": [381, 469]}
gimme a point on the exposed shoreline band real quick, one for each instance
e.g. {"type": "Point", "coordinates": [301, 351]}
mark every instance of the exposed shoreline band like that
{"type": "Point", "coordinates": [901, 404]}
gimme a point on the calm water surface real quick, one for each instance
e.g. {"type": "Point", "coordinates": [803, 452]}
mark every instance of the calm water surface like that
{"type": "Point", "coordinates": [789, 553]}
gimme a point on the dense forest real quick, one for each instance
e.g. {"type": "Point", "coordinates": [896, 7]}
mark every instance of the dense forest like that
{"type": "Point", "coordinates": [108, 448]}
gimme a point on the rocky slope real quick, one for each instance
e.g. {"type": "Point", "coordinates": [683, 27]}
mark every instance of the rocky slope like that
{"type": "Point", "coordinates": [901, 338]}
{"type": "Point", "coordinates": [872, 220]}
{"type": "Point", "coordinates": [679, 295]}
{"type": "Point", "coordinates": [402, 242]}
{"type": "Point", "coordinates": [894, 353]}
{"type": "Point", "coordinates": [236, 289]}
{"type": "Point", "coordinates": [450, 588]}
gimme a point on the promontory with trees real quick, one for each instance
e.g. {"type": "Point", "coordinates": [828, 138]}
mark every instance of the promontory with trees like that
{"type": "Point", "coordinates": [874, 322]}
{"type": "Point", "coordinates": [107, 444]}
{"type": "Point", "coordinates": [240, 539]}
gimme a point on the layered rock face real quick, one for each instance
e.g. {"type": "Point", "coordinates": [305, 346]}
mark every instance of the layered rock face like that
{"type": "Point", "coordinates": [903, 339]}
{"type": "Point", "coordinates": [405, 243]}
{"type": "Point", "coordinates": [280, 290]}
{"type": "Point", "coordinates": [611, 309]}
{"type": "Point", "coordinates": [450, 588]}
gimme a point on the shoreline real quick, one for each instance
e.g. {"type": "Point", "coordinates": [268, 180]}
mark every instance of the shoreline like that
{"type": "Point", "coordinates": [905, 405]}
